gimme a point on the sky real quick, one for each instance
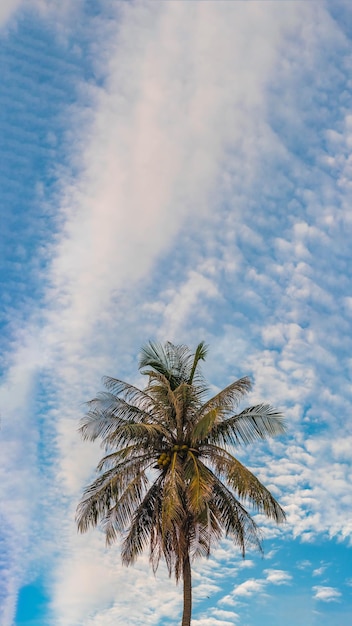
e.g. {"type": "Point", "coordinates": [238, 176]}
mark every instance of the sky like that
{"type": "Point", "coordinates": [175, 170]}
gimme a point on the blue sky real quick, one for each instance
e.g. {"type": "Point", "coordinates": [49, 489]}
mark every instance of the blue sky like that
{"type": "Point", "coordinates": [176, 171]}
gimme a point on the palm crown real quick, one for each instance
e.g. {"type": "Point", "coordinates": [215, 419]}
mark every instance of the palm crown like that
{"type": "Point", "coordinates": [169, 479]}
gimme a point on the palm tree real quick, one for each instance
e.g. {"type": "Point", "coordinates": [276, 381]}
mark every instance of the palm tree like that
{"type": "Point", "coordinates": [169, 479]}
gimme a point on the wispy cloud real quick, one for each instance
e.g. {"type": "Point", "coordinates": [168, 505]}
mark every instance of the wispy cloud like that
{"type": "Point", "coordinates": [244, 591]}
{"type": "Point", "coordinates": [319, 570]}
{"type": "Point", "coordinates": [260, 587]}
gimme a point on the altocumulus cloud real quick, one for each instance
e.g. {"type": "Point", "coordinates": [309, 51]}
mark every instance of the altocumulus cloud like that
{"type": "Point", "coordinates": [204, 191]}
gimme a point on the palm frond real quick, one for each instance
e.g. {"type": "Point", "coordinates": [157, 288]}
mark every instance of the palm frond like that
{"type": "Point", "coordinates": [120, 458]}
{"type": "Point", "coordinates": [172, 505]}
{"type": "Point", "coordinates": [199, 484]}
{"type": "Point", "coordinates": [204, 425]}
{"type": "Point", "coordinates": [111, 404]}
{"type": "Point", "coordinates": [119, 517]}
{"type": "Point", "coordinates": [159, 388]}
{"type": "Point", "coordinates": [227, 399]}
{"type": "Point", "coordinates": [186, 406]}
{"type": "Point", "coordinates": [199, 355]}
{"type": "Point", "coordinates": [246, 486]}
{"type": "Point", "coordinates": [256, 422]}
{"type": "Point", "coordinates": [129, 393]}
{"type": "Point", "coordinates": [154, 355]}
{"type": "Point", "coordinates": [150, 434]}
{"type": "Point", "coordinates": [235, 519]}
{"type": "Point", "coordinates": [205, 533]}
{"type": "Point", "coordinates": [173, 362]}
{"type": "Point", "coordinates": [103, 492]}
{"type": "Point", "coordinates": [143, 525]}
{"type": "Point", "coordinates": [101, 421]}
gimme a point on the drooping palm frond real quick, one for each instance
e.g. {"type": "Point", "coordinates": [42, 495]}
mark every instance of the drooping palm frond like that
{"type": "Point", "coordinates": [120, 516]}
{"type": "Point", "coordinates": [101, 495]}
{"type": "Point", "coordinates": [245, 485]}
{"type": "Point", "coordinates": [119, 458]}
{"type": "Point", "coordinates": [205, 533]}
{"type": "Point", "coordinates": [141, 529]}
{"type": "Point", "coordinates": [199, 484]}
{"type": "Point", "coordinates": [173, 504]}
{"type": "Point", "coordinates": [236, 521]}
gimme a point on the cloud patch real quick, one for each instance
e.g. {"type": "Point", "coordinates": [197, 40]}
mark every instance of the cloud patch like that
{"type": "Point", "coordinates": [326, 594]}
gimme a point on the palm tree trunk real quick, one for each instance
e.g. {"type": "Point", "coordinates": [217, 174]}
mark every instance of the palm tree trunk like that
{"type": "Point", "coordinates": [187, 592]}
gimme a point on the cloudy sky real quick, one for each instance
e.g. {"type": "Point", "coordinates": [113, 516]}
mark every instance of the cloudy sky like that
{"type": "Point", "coordinates": [175, 170]}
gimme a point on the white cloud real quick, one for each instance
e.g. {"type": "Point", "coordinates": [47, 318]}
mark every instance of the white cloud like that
{"type": "Point", "coordinates": [167, 141]}
{"type": "Point", "coordinates": [249, 587]}
{"type": "Point", "coordinates": [319, 570]}
{"type": "Point", "coordinates": [181, 302]}
{"type": "Point", "coordinates": [153, 148]}
{"type": "Point", "coordinates": [8, 8]}
{"type": "Point", "coordinates": [243, 591]}
{"type": "Point", "coordinates": [20, 481]}
{"type": "Point", "coordinates": [326, 594]}
{"type": "Point", "coordinates": [213, 621]}
{"type": "Point", "coordinates": [248, 563]}
{"type": "Point", "coordinates": [277, 576]}
{"type": "Point", "coordinates": [152, 151]}
{"type": "Point", "coordinates": [230, 615]}
{"type": "Point", "coordinates": [95, 586]}
{"type": "Point", "coordinates": [303, 565]}
{"type": "Point", "coordinates": [255, 586]}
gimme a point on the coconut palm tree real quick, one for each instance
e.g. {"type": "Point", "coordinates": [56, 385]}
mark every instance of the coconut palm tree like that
{"type": "Point", "coordinates": [169, 479]}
